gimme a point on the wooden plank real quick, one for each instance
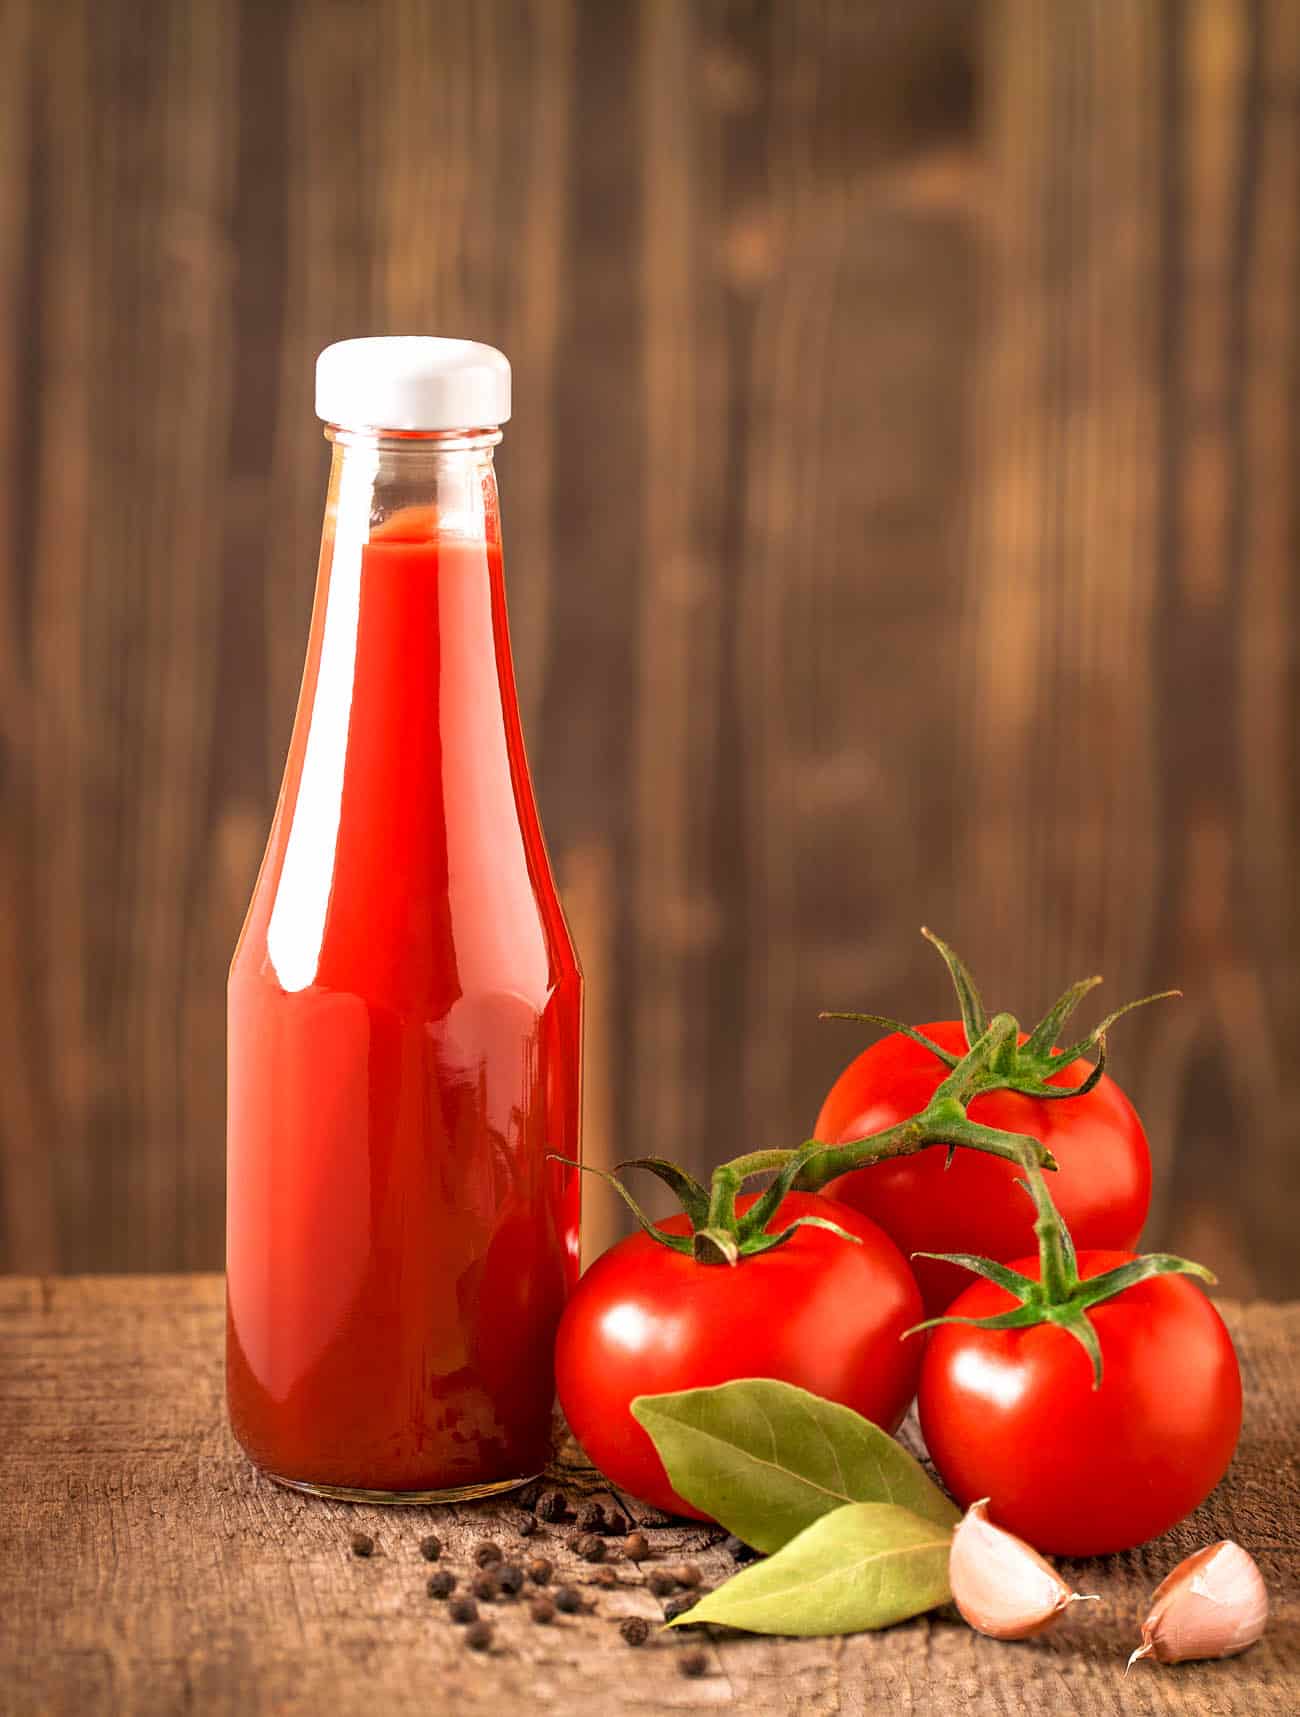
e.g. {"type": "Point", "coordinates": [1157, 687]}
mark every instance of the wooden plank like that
{"type": "Point", "coordinates": [150, 1570]}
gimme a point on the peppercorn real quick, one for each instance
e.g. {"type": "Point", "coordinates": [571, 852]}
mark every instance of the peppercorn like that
{"type": "Point", "coordinates": [661, 1582]}
{"type": "Point", "coordinates": [479, 1636]}
{"type": "Point", "coordinates": [636, 1547]}
{"type": "Point", "coordinates": [616, 1524]}
{"type": "Point", "coordinates": [552, 1506]}
{"type": "Point", "coordinates": [635, 1630]}
{"type": "Point", "coordinates": [510, 1578]}
{"type": "Point", "coordinates": [442, 1584]}
{"type": "Point", "coordinates": [686, 1574]}
{"type": "Point", "coordinates": [528, 1525]}
{"type": "Point", "coordinates": [540, 1571]}
{"type": "Point", "coordinates": [569, 1600]}
{"type": "Point", "coordinates": [591, 1517]}
{"type": "Point", "coordinates": [462, 1610]}
{"type": "Point", "coordinates": [542, 1610]}
{"type": "Point", "coordinates": [431, 1548]}
{"type": "Point", "coordinates": [692, 1663]}
{"type": "Point", "coordinates": [679, 1606]}
{"type": "Point", "coordinates": [737, 1549]}
{"type": "Point", "coordinates": [362, 1544]}
{"type": "Point", "coordinates": [528, 1494]}
{"type": "Point", "coordinates": [605, 1576]}
{"type": "Point", "coordinates": [589, 1547]}
{"type": "Point", "coordinates": [486, 1553]}
{"type": "Point", "coordinates": [484, 1585]}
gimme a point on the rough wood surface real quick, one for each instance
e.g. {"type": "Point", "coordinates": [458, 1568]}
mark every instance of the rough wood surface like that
{"type": "Point", "coordinates": [147, 1569]}
{"type": "Point", "coordinates": [901, 528]}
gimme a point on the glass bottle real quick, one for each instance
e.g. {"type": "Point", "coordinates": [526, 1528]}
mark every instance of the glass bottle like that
{"type": "Point", "coordinates": [404, 1001]}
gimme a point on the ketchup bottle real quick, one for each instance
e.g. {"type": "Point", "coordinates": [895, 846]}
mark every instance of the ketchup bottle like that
{"type": "Point", "coordinates": [405, 1001]}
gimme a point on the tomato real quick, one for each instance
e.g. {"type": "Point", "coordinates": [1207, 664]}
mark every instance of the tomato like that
{"type": "Point", "coordinates": [818, 1311]}
{"type": "Point", "coordinates": [1102, 1186]}
{"type": "Point", "coordinates": [1012, 1415]}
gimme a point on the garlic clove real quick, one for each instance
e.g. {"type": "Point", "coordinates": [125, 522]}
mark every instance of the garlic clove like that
{"type": "Point", "coordinates": [1002, 1586]}
{"type": "Point", "coordinates": [1214, 1604]}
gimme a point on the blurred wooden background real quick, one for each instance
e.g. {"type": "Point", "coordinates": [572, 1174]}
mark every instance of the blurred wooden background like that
{"type": "Point", "coordinates": [902, 527]}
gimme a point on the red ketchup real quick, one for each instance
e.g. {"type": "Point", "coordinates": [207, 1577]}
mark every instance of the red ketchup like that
{"type": "Point", "coordinates": [404, 1002]}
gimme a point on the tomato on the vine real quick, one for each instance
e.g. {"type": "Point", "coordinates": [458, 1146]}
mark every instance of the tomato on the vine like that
{"type": "Point", "coordinates": [821, 1311]}
{"type": "Point", "coordinates": [973, 1204]}
{"type": "Point", "coordinates": [1074, 1467]}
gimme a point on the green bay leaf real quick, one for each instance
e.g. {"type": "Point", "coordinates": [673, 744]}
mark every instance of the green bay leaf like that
{"type": "Point", "coordinates": [766, 1459]}
{"type": "Point", "coordinates": [867, 1565]}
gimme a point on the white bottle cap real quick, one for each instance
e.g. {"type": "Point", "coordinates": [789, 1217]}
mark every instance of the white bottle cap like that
{"type": "Point", "coordinates": [412, 381]}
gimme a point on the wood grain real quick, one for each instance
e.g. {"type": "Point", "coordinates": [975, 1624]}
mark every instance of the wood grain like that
{"type": "Point", "coordinates": [901, 524]}
{"type": "Point", "coordinates": [149, 1570]}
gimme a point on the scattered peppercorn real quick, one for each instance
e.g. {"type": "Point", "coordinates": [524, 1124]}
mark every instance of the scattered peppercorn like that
{"type": "Point", "coordinates": [362, 1544]}
{"type": "Point", "coordinates": [679, 1606]}
{"type": "Point", "coordinates": [552, 1506]}
{"type": "Point", "coordinates": [616, 1524]}
{"type": "Point", "coordinates": [431, 1548]}
{"type": "Point", "coordinates": [542, 1610]}
{"type": "Point", "coordinates": [488, 1552]}
{"type": "Point", "coordinates": [529, 1494]}
{"type": "Point", "coordinates": [661, 1583]}
{"type": "Point", "coordinates": [686, 1574]}
{"type": "Point", "coordinates": [484, 1585]}
{"type": "Point", "coordinates": [589, 1547]}
{"type": "Point", "coordinates": [692, 1663]}
{"type": "Point", "coordinates": [737, 1549]}
{"type": "Point", "coordinates": [510, 1578]}
{"type": "Point", "coordinates": [540, 1571]}
{"type": "Point", "coordinates": [635, 1630]}
{"type": "Point", "coordinates": [636, 1547]}
{"type": "Point", "coordinates": [569, 1600]}
{"type": "Point", "coordinates": [605, 1576]}
{"type": "Point", "coordinates": [463, 1610]}
{"type": "Point", "coordinates": [442, 1584]}
{"type": "Point", "coordinates": [479, 1636]}
{"type": "Point", "coordinates": [528, 1525]}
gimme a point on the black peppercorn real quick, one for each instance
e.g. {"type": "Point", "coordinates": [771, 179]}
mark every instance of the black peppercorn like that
{"type": "Point", "coordinates": [442, 1584]}
{"type": "Point", "coordinates": [486, 1553]}
{"type": "Point", "coordinates": [661, 1583]}
{"type": "Point", "coordinates": [605, 1576]}
{"type": "Point", "coordinates": [591, 1517]}
{"type": "Point", "coordinates": [462, 1610]}
{"type": "Point", "coordinates": [635, 1630]}
{"type": "Point", "coordinates": [478, 1637]}
{"type": "Point", "coordinates": [540, 1571]}
{"type": "Point", "coordinates": [431, 1548]}
{"type": "Point", "coordinates": [737, 1549]}
{"type": "Point", "coordinates": [636, 1547]}
{"type": "Point", "coordinates": [542, 1610]}
{"type": "Point", "coordinates": [528, 1525]}
{"type": "Point", "coordinates": [552, 1506]}
{"type": "Point", "coordinates": [510, 1578]}
{"type": "Point", "coordinates": [692, 1663]}
{"type": "Point", "coordinates": [362, 1544]}
{"type": "Point", "coordinates": [686, 1574]}
{"type": "Point", "coordinates": [589, 1547]}
{"type": "Point", "coordinates": [569, 1600]}
{"type": "Point", "coordinates": [484, 1585]}
{"type": "Point", "coordinates": [528, 1495]}
{"type": "Point", "coordinates": [616, 1524]}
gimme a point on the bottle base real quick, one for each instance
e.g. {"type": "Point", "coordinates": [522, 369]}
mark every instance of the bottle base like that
{"type": "Point", "coordinates": [402, 1498]}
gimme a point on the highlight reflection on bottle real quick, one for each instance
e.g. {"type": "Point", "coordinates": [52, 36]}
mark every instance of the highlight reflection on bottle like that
{"type": "Point", "coordinates": [405, 1002]}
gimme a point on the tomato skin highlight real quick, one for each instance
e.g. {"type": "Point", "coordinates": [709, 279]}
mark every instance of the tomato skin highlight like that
{"type": "Point", "coordinates": [1012, 1415]}
{"type": "Point", "coordinates": [1102, 1185]}
{"type": "Point", "coordinates": [818, 1311]}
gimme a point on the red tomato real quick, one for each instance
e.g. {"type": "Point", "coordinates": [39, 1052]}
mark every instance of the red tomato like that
{"type": "Point", "coordinates": [1102, 1187]}
{"type": "Point", "coordinates": [1076, 1471]}
{"type": "Point", "coordinates": [818, 1311]}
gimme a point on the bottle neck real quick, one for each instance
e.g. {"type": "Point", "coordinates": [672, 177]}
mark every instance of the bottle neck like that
{"type": "Point", "coordinates": [430, 483]}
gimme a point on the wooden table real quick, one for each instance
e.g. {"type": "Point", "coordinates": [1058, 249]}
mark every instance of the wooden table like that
{"type": "Point", "coordinates": [148, 1569]}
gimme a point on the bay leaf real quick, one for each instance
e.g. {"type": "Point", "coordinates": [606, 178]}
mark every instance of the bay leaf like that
{"type": "Point", "coordinates": [867, 1565]}
{"type": "Point", "coordinates": [766, 1459]}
